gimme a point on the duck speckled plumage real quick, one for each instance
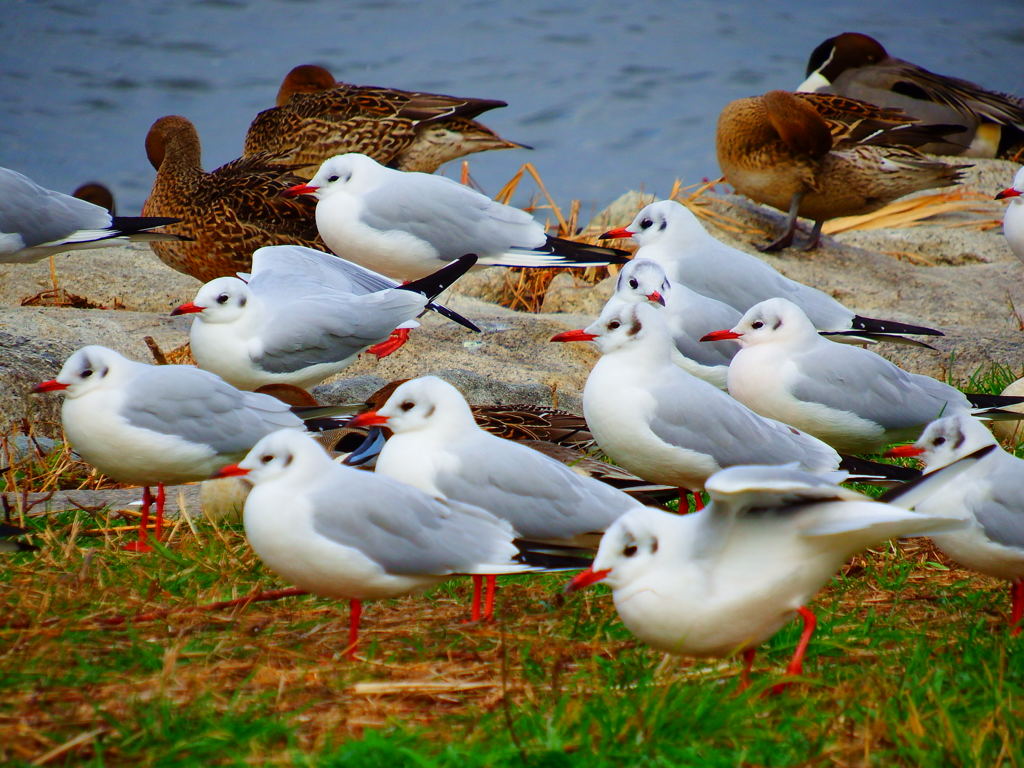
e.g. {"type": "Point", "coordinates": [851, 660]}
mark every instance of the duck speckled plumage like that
{"type": "Point", "coordinates": [229, 212]}
{"type": "Point", "coordinates": [821, 156]}
{"type": "Point", "coordinates": [317, 118]}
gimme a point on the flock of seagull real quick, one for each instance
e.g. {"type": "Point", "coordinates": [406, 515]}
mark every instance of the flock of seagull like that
{"type": "Point", "coordinates": [330, 236]}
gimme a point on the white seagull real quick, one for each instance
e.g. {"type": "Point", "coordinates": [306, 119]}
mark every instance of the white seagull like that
{"type": "Point", "coordinates": [438, 447]}
{"type": "Point", "coordinates": [667, 426]}
{"type": "Point", "coordinates": [1013, 218]}
{"type": "Point", "coordinates": [344, 533]}
{"type": "Point", "coordinates": [990, 497]}
{"type": "Point", "coordinates": [159, 424]}
{"type": "Point", "coordinates": [723, 580]}
{"type": "Point", "coordinates": [670, 234]}
{"type": "Point", "coordinates": [36, 222]}
{"type": "Point", "coordinates": [407, 225]}
{"type": "Point", "coordinates": [853, 399]}
{"type": "Point", "coordinates": [304, 315]}
{"type": "Point", "coordinates": [688, 314]}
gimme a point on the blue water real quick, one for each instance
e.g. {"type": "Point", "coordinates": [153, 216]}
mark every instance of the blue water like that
{"type": "Point", "coordinates": [612, 95]}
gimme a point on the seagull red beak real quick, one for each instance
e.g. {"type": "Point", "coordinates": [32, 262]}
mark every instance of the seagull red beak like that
{"type": "Point", "coordinates": [231, 470]}
{"type": "Point", "coordinates": [187, 308]}
{"type": "Point", "coordinates": [577, 335]}
{"type": "Point", "coordinates": [367, 419]}
{"type": "Point", "coordinates": [720, 336]}
{"type": "Point", "coordinates": [299, 189]}
{"type": "Point", "coordinates": [586, 578]}
{"type": "Point", "coordinates": [616, 234]}
{"type": "Point", "coordinates": [1010, 192]}
{"type": "Point", "coordinates": [49, 386]}
{"type": "Point", "coordinates": [904, 451]}
{"type": "Point", "coordinates": [655, 296]}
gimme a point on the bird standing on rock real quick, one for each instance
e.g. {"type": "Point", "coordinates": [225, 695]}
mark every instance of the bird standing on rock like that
{"type": "Point", "coordinates": [821, 156]}
{"type": "Point", "coordinates": [229, 212]}
{"type": "Point", "coordinates": [405, 225]}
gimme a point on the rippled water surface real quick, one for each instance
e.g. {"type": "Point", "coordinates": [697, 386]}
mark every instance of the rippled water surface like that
{"type": "Point", "coordinates": [611, 95]}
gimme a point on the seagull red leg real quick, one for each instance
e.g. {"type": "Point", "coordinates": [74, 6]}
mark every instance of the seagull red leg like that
{"type": "Point", "coordinates": [478, 582]}
{"type": "Point", "coordinates": [140, 544]}
{"type": "Point", "coordinates": [393, 343]}
{"type": "Point", "coordinates": [492, 589]}
{"type": "Point", "coordinates": [698, 501]}
{"type": "Point", "coordinates": [355, 613]}
{"type": "Point", "coordinates": [1017, 607]}
{"type": "Point", "coordinates": [748, 663]}
{"type": "Point", "coordinates": [796, 665]}
{"type": "Point", "coordinates": [161, 497]}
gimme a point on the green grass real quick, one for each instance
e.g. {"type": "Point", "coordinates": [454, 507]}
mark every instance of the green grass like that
{"type": "Point", "coordinates": [912, 665]}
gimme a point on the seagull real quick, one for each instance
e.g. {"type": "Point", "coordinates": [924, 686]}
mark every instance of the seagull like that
{"type": "Point", "coordinates": [670, 234]}
{"type": "Point", "coordinates": [407, 224]}
{"type": "Point", "coordinates": [990, 497]}
{"type": "Point", "coordinates": [160, 424]}
{"type": "Point", "coordinates": [316, 118]}
{"type": "Point", "coordinates": [36, 222]}
{"type": "Point", "coordinates": [689, 316]}
{"type": "Point", "coordinates": [438, 447]}
{"type": "Point", "coordinates": [344, 533]}
{"type": "Point", "coordinates": [723, 580]}
{"type": "Point", "coordinates": [304, 315]}
{"type": "Point", "coordinates": [668, 426]}
{"type": "Point", "coordinates": [1013, 219]}
{"type": "Point", "coordinates": [229, 212]}
{"type": "Point", "coordinates": [855, 65]}
{"type": "Point", "coordinates": [821, 156]}
{"type": "Point", "coordinates": [849, 397]}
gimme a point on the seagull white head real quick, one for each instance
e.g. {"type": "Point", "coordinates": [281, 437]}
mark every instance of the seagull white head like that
{"type": "Point", "coordinates": [223, 300]}
{"type": "Point", "coordinates": [623, 325]}
{"type": "Point", "coordinates": [643, 280]}
{"type": "Point", "coordinates": [947, 439]}
{"type": "Point", "coordinates": [87, 370]}
{"type": "Point", "coordinates": [1014, 191]}
{"type": "Point", "coordinates": [424, 403]}
{"type": "Point", "coordinates": [631, 548]}
{"type": "Point", "coordinates": [770, 321]}
{"type": "Point", "coordinates": [662, 223]}
{"type": "Point", "coordinates": [286, 454]}
{"type": "Point", "coordinates": [352, 172]}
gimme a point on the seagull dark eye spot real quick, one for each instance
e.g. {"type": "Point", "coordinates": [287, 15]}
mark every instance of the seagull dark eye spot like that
{"type": "Point", "coordinates": [242, 301]}
{"type": "Point", "coordinates": [633, 283]}
{"type": "Point", "coordinates": [646, 224]}
{"type": "Point", "coordinates": [613, 325]}
{"type": "Point", "coordinates": [938, 441]}
{"type": "Point", "coordinates": [757, 324]}
{"type": "Point", "coordinates": [630, 550]}
{"type": "Point", "coordinates": [654, 546]}
{"type": "Point", "coordinates": [266, 458]}
{"type": "Point", "coordinates": [333, 178]}
{"type": "Point", "coordinates": [86, 373]}
{"type": "Point", "coordinates": [222, 299]}
{"type": "Point", "coordinates": [408, 405]}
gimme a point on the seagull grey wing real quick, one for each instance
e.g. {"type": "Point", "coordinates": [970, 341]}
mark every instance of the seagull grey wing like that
{"type": "Point", "coordinates": [330, 327]}
{"type": "Point", "coordinates": [453, 218]}
{"type": "Point", "coordinates": [1001, 511]}
{"type": "Point", "coordinates": [695, 315]}
{"type": "Point", "coordinates": [202, 408]}
{"type": "Point", "coordinates": [39, 215]}
{"type": "Point", "coordinates": [861, 382]}
{"type": "Point", "coordinates": [405, 530]}
{"type": "Point", "coordinates": [743, 488]}
{"type": "Point", "coordinates": [541, 497]}
{"type": "Point", "coordinates": [273, 262]}
{"type": "Point", "coordinates": [713, 423]}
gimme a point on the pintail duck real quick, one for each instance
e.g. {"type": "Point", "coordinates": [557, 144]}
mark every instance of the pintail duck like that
{"type": "Point", "coordinates": [821, 156]}
{"type": "Point", "coordinates": [317, 118]}
{"type": "Point", "coordinates": [229, 212]}
{"type": "Point", "coordinates": [855, 65]}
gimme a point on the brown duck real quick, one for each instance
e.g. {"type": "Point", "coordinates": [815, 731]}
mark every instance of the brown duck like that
{"type": "Point", "coordinates": [821, 156]}
{"type": "Point", "coordinates": [317, 118]}
{"type": "Point", "coordinates": [229, 212]}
